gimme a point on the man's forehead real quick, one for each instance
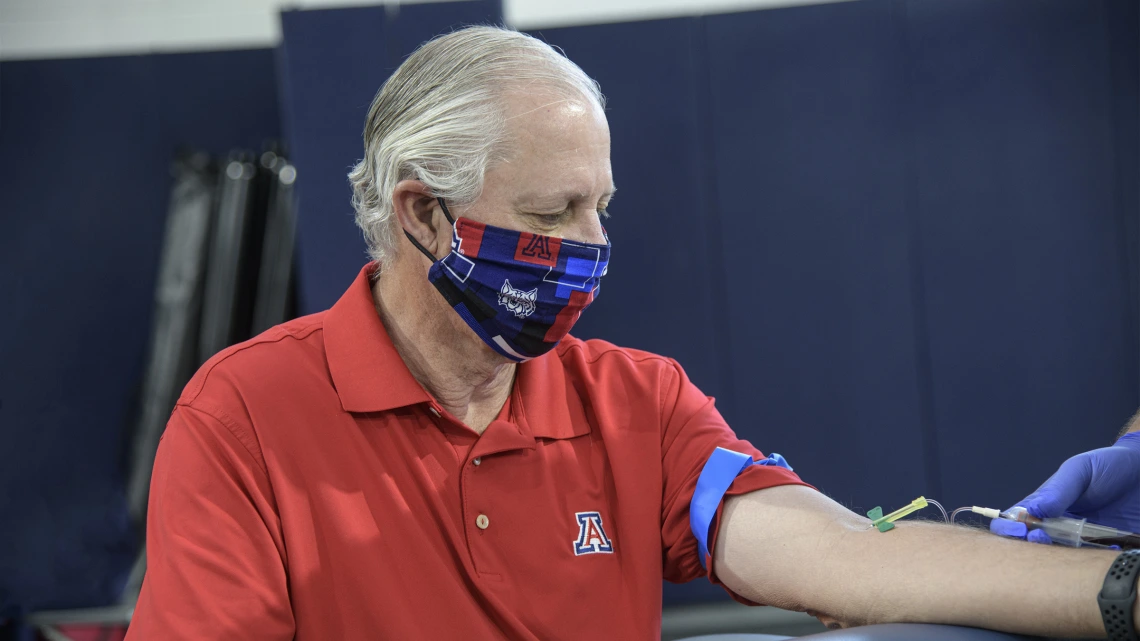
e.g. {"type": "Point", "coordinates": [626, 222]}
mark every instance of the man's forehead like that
{"type": "Point", "coordinates": [543, 105]}
{"type": "Point", "coordinates": [557, 150]}
{"type": "Point", "coordinates": [545, 117]}
{"type": "Point", "coordinates": [518, 103]}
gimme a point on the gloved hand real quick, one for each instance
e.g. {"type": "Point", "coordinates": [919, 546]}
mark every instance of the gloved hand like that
{"type": "Point", "coordinates": [1102, 486]}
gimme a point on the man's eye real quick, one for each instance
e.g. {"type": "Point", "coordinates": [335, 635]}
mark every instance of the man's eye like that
{"type": "Point", "coordinates": [553, 217]}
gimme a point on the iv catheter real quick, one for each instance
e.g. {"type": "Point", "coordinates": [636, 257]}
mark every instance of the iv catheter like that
{"type": "Point", "coordinates": [887, 522]}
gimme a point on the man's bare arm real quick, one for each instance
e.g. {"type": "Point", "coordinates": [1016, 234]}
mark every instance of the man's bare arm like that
{"type": "Point", "coordinates": [794, 548]}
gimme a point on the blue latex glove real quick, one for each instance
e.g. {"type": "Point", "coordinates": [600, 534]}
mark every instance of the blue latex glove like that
{"type": "Point", "coordinates": [1102, 486]}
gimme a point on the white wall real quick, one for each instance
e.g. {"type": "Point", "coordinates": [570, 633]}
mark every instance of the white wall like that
{"type": "Point", "coordinates": [70, 28]}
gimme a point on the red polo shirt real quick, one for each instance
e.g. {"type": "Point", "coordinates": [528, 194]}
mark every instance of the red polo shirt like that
{"type": "Point", "coordinates": [308, 487]}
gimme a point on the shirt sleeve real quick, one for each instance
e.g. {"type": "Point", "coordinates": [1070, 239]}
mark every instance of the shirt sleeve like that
{"type": "Point", "coordinates": [215, 552]}
{"type": "Point", "coordinates": [693, 429]}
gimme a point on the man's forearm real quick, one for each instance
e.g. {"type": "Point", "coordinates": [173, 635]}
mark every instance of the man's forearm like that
{"type": "Point", "coordinates": [796, 549]}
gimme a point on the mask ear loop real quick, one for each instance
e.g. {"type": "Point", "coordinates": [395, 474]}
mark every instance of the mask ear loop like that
{"type": "Point", "coordinates": [446, 212]}
{"type": "Point", "coordinates": [420, 247]}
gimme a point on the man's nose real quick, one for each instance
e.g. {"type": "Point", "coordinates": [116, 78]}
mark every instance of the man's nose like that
{"type": "Point", "coordinates": [587, 228]}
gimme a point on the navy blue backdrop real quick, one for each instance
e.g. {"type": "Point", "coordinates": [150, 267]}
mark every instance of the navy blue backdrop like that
{"type": "Point", "coordinates": [85, 153]}
{"type": "Point", "coordinates": [810, 181]}
{"type": "Point", "coordinates": [897, 239]}
{"type": "Point", "coordinates": [1025, 195]}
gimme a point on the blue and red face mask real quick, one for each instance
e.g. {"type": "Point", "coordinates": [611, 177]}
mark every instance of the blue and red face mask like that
{"type": "Point", "coordinates": [519, 292]}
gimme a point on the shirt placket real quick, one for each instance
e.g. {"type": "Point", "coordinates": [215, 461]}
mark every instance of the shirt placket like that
{"type": "Point", "coordinates": [491, 455]}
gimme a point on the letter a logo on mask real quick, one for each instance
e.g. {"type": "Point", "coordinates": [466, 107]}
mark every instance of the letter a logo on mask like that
{"type": "Point", "coordinates": [518, 302]}
{"type": "Point", "coordinates": [538, 247]}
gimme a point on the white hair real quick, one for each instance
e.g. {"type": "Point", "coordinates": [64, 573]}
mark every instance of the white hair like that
{"type": "Point", "coordinates": [440, 119]}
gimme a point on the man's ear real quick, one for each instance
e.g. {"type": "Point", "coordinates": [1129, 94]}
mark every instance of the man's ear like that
{"type": "Point", "coordinates": [419, 214]}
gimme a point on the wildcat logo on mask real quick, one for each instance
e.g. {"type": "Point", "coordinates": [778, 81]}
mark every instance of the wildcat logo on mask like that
{"type": "Point", "coordinates": [518, 302]}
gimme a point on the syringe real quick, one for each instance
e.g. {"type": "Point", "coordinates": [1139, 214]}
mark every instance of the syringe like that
{"type": "Point", "coordinates": [1073, 532]}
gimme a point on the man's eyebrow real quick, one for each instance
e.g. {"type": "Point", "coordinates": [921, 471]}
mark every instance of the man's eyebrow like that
{"type": "Point", "coordinates": [569, 196]}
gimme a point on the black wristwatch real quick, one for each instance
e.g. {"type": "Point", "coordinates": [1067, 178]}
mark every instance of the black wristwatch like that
{"type": "Point", "coordinates": [1118, 596]}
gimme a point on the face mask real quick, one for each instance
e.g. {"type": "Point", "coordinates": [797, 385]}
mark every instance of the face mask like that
{"type": "Point", "coordinates": [520, 292]}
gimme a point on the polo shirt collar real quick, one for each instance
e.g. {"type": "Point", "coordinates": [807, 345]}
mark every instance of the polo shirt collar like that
{"type": "Point", "coordinates": [546, 402]}
{"type": "Point", "coordinates": [370, 376]}
{"type": "Point", "coordinates": [367, 371]}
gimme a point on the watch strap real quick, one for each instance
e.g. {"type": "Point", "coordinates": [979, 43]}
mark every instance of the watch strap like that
{"type": "Point", "coordinates": [1118, 596]}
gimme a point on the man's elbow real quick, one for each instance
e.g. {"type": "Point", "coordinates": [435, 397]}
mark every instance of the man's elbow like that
{"type": "Point", "coordinates": [784, 547]}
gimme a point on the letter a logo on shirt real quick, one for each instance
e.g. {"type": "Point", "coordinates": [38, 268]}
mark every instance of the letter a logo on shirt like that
{"type": "Point", "coordinates": [592, 538]}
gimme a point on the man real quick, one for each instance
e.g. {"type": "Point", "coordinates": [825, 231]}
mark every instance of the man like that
{"type": "Point", "coordinates": [435, 457]}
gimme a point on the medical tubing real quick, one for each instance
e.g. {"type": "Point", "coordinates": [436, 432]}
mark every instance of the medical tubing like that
{"type": "Point", "coordinates": [955, 513]}
{"type": "Point", "coordinates": [945, 519]}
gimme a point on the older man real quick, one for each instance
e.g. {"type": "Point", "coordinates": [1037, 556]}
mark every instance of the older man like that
{"type": "Point", "coordinates": [435, 457]}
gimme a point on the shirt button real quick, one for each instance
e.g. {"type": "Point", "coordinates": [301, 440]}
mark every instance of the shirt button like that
{"type": "Point", "coordinates": [434, 412]}
{"type": "Point", "coordinates": [477, 461]}
{"type": "Point", "coordinates": [482, 521]}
